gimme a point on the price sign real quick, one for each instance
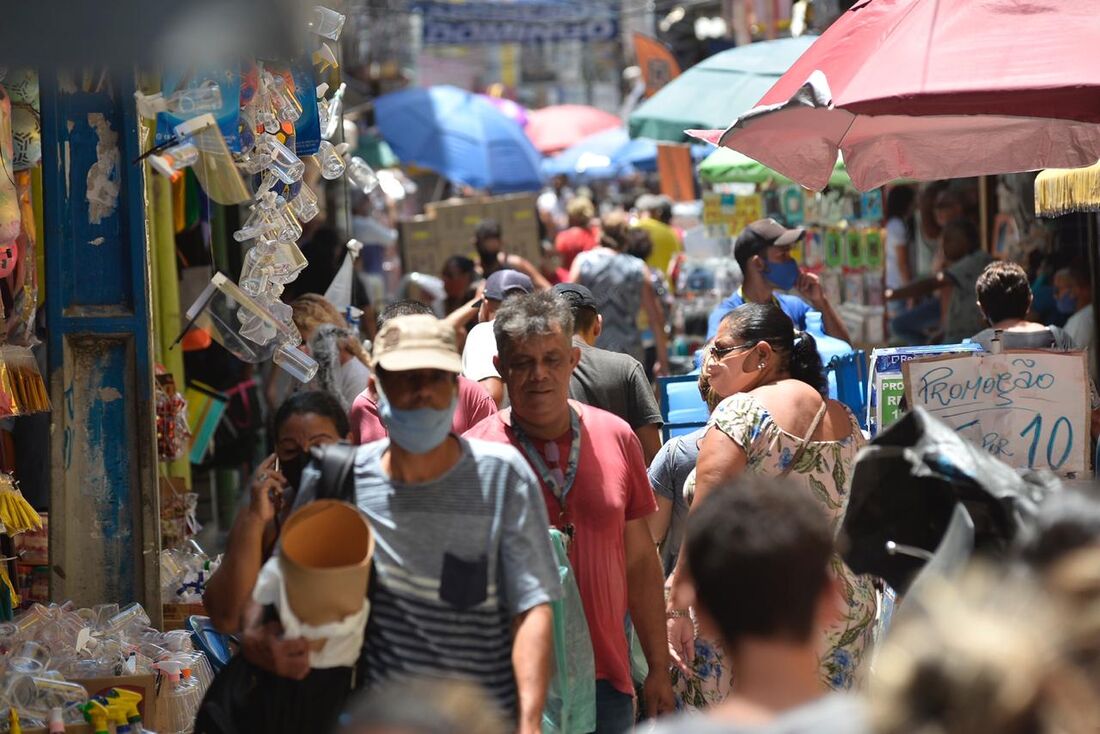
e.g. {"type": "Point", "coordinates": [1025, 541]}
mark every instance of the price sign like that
{"type": "Point", "coordinates": [1030, 409]}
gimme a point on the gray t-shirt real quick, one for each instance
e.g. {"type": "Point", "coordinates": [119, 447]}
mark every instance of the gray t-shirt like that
{"type": "Point", "coordinates": [963, 316]}
{"type": "Point", "coordinates": [454, 560]}
{"type": "Point", "coordinates": [616, 383]}
{"type": "Point", "coordinates": [668, 472]}
{"type": "Point", "coordinates": [836, 713]}
{"type": "Point", "coordinates": [1049, 338]}
{"type": "Point", "coordinates": [617, 281]}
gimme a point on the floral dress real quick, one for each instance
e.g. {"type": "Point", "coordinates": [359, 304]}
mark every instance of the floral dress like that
{"type": "Point", "coordinates": [825, 469]}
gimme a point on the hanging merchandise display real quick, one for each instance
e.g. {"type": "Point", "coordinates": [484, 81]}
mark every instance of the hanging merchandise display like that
{"type": "Point", "coordinates": [245, 130]}
{"type": "Point", "coordinates": [9, 203]}
{"type": "Point", "coordinates": [26, 121]}
{"type": "Point", "coordinates": [173, 436]}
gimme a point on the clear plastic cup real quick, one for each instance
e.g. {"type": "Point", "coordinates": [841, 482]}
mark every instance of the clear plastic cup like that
{"type": "Point", "coordinates": [326, 22]}
{"type": "Point", "coordinates": [286, 104]}
{"type": "Point", "coordinates": [284, 162]}
{"type": "Point", "coordinates": [361, 175]}
{"type": "Point", "coordinates": [30, 657]}
{"type": "Point", "coordinates": [335, 110]}
{"type": "Point", "coordinates": [331, 163]}
{"type": "Point", "coordinates": [304, 205]}
{"type": "Point", "coordinates": [132, 615]}
{"type": "Point", "coordinates": [36, 695]}
{"type": "Point", "coordinates": [295, 362]}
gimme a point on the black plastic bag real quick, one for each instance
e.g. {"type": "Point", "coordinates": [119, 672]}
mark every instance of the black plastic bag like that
{"type": "Point", "coordinates": [906, 484]}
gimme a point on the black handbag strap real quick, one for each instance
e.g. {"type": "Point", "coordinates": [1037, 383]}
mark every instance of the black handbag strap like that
{"type": "Point", "coordinates": [336, 462]}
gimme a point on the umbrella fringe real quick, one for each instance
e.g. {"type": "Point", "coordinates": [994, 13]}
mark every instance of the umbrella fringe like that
{"type": "Point", "coordinates": [1066, 190]}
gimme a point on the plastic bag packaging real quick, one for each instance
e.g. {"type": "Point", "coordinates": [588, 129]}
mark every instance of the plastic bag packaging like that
{"type": "Point", "coordinates": [326, 22]}
{"type": "Point", "coordinates": [22, 389]}
{"type": "Point", "coordinates": [215, 169]}
{"type": "Point", "coordinates": [571, 698]}
{"type": "Point", "coordinates": [249, 330]}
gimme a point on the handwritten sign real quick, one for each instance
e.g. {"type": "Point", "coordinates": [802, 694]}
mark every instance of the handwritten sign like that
{"type": "Point", "coordinates": [1028, 408]}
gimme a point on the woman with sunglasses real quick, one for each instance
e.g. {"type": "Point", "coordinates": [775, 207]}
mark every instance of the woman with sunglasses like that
{"type": "Point", "coordinates": [776, 423]}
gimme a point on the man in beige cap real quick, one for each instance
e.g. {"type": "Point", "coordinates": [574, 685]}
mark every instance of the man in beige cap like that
{"type": "Point", "coordinates": [464, 570]}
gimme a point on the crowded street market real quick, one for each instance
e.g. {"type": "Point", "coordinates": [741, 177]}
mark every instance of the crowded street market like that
{"type": "Point", "coordinates": [561, 366]}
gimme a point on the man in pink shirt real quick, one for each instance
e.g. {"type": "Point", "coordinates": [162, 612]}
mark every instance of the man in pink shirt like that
{"type": "Point", "coordinates": [474, 402]}
{"type": "Point", "coordinates": [594, 481]}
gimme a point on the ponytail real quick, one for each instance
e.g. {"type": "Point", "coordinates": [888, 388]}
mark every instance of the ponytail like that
{"type": "Point", "coordinates": [805, 362]}
{"type": "Point", "coordinates": [797, 350]}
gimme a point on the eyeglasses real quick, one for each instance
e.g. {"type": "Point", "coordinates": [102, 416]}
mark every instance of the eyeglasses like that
{"type": "Point", "coordinates": [718, 352]}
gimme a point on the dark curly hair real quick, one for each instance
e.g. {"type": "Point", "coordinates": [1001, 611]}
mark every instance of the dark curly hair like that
{"type": "Point", "coordinates": [797, 351]}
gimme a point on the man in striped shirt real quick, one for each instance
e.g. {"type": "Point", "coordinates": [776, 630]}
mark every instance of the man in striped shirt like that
{"type": "Point", "coordinates": [464, 570]}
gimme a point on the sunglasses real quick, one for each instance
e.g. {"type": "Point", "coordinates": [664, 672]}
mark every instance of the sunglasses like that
{"type": "Point", "coordinates": [718, 352]}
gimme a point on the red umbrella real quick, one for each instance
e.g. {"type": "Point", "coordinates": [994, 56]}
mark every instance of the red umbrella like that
{"type": "Point", "coordinates": [553, 129]}
{"type": "Point", "coordinates": [927, 89]}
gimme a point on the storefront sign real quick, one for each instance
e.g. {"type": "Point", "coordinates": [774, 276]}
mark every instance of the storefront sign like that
{"type": "Point", "coordinates": [1028, 408]}
{"type": "Point", "coordinates": [468, 24]}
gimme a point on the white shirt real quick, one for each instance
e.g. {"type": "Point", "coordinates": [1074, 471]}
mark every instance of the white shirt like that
{"type": "Point", "coordinates": [1081, 327]}
{"type": "Point", "coordinates": [477, 356]}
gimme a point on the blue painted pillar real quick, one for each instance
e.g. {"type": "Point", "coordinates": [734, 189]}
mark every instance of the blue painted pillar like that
{"type": "Point", "coordinates": [104, 526]}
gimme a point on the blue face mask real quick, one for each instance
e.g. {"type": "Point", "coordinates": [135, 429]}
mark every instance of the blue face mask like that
{"type": "Point", "coordinates": [782, 275]}
{"type": "Point", "coordinates": [420, 430]}
{"type": "Point", "coordinates": [1066, 304]}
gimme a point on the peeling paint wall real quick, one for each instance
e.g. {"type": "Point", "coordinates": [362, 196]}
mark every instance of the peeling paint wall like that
{"type": "Point", "coordinates": [103, 176]}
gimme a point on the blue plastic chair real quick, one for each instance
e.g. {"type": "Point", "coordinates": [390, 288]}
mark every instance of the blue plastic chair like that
{"type": "Point", "coordinates": [682, 408]}
{"type": "Point", "coordinates": [214, 644]}
{"type": "Point", "coordinates": [852, 373]}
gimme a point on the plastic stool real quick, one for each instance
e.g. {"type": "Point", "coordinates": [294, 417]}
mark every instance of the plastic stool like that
{"type": "Point", "coordinates": [214, 644]}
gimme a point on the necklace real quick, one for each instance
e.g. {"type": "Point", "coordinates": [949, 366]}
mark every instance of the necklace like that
{"type": "Point", "coordinates": [559, 484]}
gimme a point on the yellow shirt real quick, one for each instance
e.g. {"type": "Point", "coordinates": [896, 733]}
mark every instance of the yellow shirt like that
{"type": "Point", "coordinates": [665, 243]}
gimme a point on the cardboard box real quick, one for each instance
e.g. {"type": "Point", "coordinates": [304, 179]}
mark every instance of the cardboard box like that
{"type": "Point", "coordinates": [887, 387]}
{"type": "Point", "coordinates": [456, 222]}
{"type": "Point", "coordinates": [518, 217]}
{"type": "Point", "coordinates": [146, 685]}
{"type": "Point", "coordinates": [420, 246]}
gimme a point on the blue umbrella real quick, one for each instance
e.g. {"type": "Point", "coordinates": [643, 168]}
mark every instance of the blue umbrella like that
{"type": "Point", "coordinates": [610, 154]}
{"type": "Point", "coordinates": [594, 158]}
{"type": "Point", "coordinates": [460, 136]}
{"type": "Point", "coordinates": [716, 90]}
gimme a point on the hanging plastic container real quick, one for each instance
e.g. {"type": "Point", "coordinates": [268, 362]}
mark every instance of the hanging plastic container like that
{"type": "Point", "coordinates": [827, 346]}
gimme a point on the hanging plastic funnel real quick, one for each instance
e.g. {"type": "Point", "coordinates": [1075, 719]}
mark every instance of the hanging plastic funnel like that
{"type": "Point", "coordinates": [248, 330]}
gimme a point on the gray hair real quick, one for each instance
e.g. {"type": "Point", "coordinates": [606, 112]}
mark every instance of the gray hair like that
{"type": "Point", "coordinates": [531, 315]}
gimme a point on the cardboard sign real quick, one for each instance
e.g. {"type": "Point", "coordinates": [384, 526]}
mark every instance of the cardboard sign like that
{"type": "Point", "coordinates": [1028, 408]}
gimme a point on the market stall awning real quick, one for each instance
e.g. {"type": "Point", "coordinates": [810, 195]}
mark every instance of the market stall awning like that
{"type": "Point", "coordinates": [933, 89]}
{"type": "Point", "coordinates": [460, 136]}
{"type": "Point", "coordinates": [1064, 190]}
{"type": "Point", "coordinates": [729, 166]}
{"type": "Point", "coordinates": [716, 90]}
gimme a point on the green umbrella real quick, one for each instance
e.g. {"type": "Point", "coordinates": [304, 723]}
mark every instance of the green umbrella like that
{"type": "Point", "coordinates": [729, 166]}
{"type": "Point", "coordinates": [716, 91]}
